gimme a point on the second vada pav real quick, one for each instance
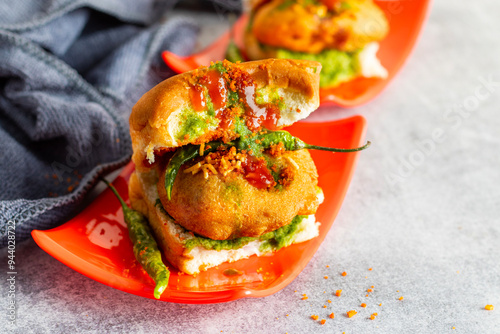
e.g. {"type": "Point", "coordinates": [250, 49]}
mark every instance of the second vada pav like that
{"type": "Point", "coordinates": [342, 35]}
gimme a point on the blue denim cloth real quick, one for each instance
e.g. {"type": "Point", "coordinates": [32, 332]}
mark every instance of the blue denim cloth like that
{"type": "Point", "coordinates": [70, 71]}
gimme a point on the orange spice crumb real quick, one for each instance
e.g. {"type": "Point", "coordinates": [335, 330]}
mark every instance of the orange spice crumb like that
{"type": "Point", "coordinates": [332, 315]}
{"type": "Point", "coordinates": [325, 277]}
{"type": "Point", "coordinates": [372, 317]}
{"type": "Point", "coordinates": [401, 298]}
{"type": "Point", "coordinates": [314, 317]}
{"type": "Point", "coordinates": [351, 313]}
{"type": "Point", "coordinates": [369, 290]}
{"type": "Point", "coordinates": [370, 269]}
{"type": "Point", "coordinates": [323, 321]}
{"type": "Point", "coordinates": [489, 307]}
{"type": "Point", "coordinates": [324, 306]}
{"type": "Point", "coordinates": [367, 295]}
{"type": "Point", "coordinates": [453, 327]}
{"type": "Point", "coordinates": [327, 266]}
{"type": "Point", "coordinates": [338, 293]}
{"type": "Point", "coordinates": [363, 305]}
{"type": "Point", "coordinates": [380, 304]}
{"type": "Point", "coordinates": [373, 286]}
{"type": "Point", "coordinates": [276, 150]}
{"type": "Point", "coordinates": [305, 297]}
{"type": "Point", "coordinates": [329, 301]}
{"type": "Point", "coordinates": [344, 274]}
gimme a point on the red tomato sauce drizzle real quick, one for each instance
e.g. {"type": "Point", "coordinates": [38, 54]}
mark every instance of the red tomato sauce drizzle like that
{"type": "Point", "coordinates": [257, 173]}
{"type": "Point", "coordinates": [256, 116]}
{"type": "Point", "coordinates": [216, 86]}
{"type": "Point", "coordinates": [198, 98]}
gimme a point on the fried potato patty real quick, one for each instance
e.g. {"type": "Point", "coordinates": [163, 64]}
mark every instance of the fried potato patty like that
{"type": "Point", "coordinates": [225, 207]}
{"type": "Point", "coordinates": [345, 25]}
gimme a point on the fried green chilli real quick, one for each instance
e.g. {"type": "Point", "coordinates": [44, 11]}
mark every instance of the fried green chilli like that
{"type": "Point", "coordinates": [145, 247]}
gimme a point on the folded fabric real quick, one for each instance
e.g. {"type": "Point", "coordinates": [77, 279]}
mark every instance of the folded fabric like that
{"type": "Point", "coordinates": [70, 71]}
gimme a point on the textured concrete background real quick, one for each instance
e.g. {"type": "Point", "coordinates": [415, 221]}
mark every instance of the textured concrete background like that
{"type": "Point", "coordinates": [424, 216]}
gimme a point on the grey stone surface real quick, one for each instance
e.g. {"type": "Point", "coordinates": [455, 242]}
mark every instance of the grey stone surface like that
{"type": "Point", "coordinates": [427, 223]}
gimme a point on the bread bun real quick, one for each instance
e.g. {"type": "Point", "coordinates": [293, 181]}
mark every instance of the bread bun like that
{"type": "Point", "coordinates": [160, 118]}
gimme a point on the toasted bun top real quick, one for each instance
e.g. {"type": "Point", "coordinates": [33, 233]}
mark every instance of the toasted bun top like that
{"type": "Point", "coordinates": [165, 117]}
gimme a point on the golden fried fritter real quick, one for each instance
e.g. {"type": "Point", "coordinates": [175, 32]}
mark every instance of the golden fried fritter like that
{"type": "Point", "coordinates": [311, 26]}
{"type": "Point", "coordinates": [225, 207]}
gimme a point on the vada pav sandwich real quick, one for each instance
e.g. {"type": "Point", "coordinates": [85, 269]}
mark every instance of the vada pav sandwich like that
{"type": "Point", "coordinates": [342, 35]}
{"type": "Point", "coordinates": [216, 178]}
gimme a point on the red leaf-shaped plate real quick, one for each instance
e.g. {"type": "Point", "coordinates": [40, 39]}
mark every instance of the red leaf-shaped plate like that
{"type": "Point", "coordinates": [406, 18]}
{"type": "Point", "coordinates": [96, 244]}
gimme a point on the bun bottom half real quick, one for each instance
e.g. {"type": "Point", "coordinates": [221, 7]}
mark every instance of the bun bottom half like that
{"type": "Point", "coordinates": [172, 237]}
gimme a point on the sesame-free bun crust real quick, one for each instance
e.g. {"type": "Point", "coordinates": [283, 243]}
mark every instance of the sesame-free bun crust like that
{"type": "Point", "coordinates": [157, 117]}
